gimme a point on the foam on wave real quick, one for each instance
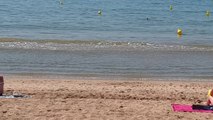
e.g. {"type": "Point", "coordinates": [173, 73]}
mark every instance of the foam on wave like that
{"type": "Point", "coordinates": [69, 45]}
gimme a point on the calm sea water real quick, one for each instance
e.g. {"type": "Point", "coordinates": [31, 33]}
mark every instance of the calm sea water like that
{"type": "Point", "coordinates": [131, 38]}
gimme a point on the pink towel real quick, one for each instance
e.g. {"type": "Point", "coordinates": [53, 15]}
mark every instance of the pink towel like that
{"type": "Point", "coordinates": [187, 108]}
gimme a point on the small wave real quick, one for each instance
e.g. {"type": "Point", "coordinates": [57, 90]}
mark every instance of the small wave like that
{"type": "Point", "coordinates": [69, 45]}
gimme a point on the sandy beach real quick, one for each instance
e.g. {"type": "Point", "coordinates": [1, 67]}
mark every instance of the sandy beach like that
{"type": "Point", "coordinates": [67, 99]}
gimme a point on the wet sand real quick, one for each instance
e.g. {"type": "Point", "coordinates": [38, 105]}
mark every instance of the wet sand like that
{"type": "Point", "coordinates": [67, 99]}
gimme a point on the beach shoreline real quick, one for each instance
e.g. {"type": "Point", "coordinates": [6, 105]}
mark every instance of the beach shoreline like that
{"type": "Point", "coordinates": [66, 61]}
{"type": "Point", "coordinates": [72, 98]}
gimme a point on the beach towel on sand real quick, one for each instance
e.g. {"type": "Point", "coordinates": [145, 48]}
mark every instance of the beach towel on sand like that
{"type": "Point", "coordinates": [192, 108]}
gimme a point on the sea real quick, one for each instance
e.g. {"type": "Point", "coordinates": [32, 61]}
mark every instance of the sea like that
{"type": "Point", "coordinates": [107, 38]}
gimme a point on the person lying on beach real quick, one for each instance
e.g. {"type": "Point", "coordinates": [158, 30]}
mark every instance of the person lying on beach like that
{"type": "Point", "coordinates": [210, 97]}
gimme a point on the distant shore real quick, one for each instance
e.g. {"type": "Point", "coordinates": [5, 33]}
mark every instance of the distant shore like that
{"type": "Point", "coordinates": [69, 98]}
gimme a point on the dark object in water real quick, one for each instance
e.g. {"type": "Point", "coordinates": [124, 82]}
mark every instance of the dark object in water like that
{"type": "Point", "coordinates": [1, 85]}
{"type": "Point", "coordinates": [202, 107]}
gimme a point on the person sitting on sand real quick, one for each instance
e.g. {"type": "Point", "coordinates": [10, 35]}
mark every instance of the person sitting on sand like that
{"type": "Point", "coordinates": [210, 97]}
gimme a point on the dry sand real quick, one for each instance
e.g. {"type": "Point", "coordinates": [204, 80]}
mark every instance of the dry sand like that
{"type": "Point", "coordinates": [101, 99]}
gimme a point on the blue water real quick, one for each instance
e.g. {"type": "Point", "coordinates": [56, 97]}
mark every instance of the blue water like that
{"type": "Point", "coordinates": [131, 38]}
{"type": "Point", "coordinates": [120, 20]}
